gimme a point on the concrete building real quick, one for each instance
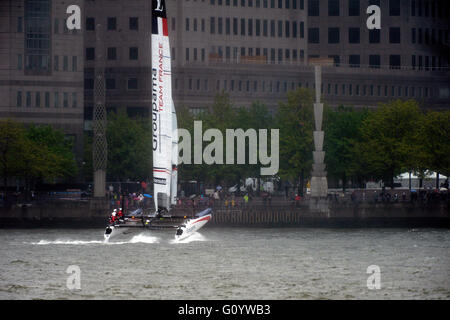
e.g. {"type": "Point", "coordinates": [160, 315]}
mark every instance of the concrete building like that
{"type": "Point", "coordinates": [259, 50]}
{"type": "Point", "coordinates": [407, 58]}
{"type": "Point", "coordinates": [41, 66]}
{"type": "Point", "coordinates": [252, 49]}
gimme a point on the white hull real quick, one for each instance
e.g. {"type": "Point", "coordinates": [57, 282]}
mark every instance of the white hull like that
{"type": "Point", "coordinates": [114, 231]}
{"type": "Point", "coordinates": [191, 226]}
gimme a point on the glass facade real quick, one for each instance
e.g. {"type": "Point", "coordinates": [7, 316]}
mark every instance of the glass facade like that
{"type": "Point", "coordinates": [37, 36]}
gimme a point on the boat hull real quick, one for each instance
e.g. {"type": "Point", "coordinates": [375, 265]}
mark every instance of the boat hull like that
{"type": "Point", "coordinates": [192, 226]}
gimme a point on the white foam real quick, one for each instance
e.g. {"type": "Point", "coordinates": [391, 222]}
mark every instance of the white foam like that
{"type": "Point", "coordinates": [194, 237]}
{"type": "Point", "coordinates": [67, 242]}
{"type": "Point", "coordinates": [141, 238]}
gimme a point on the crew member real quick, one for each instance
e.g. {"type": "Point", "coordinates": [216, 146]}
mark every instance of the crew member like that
{"type": "Point", "coordinates": [120, 214]}
{"type": "Point", "coordinates": [113, 216]}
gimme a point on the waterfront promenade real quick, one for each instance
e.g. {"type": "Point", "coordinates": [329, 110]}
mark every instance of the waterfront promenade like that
{"type": "Point", "coordinates": [349, 210]}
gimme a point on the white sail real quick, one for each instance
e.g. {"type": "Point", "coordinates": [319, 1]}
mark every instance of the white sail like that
{"type": "Point", "coordinates": [173, 183]}
{"type": "Point", "coordinates": [162, 108]}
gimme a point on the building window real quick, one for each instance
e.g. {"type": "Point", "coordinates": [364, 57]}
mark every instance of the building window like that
{"type": "Point", "coordinates": [333, 8]}
{"type": "Point", "coordinates": [212, 25]}
{"type": "Point", "coordinates": [74, 63]}
{"type": "Point", "coordinates": [354, 61]}
{"type": "Point", "coordinates": [38, 99]}
{"type": "Point", "coordinates": [374, 61]}
{"type": "Point", "coordinates": [134, 23]}
{"type": "Point", "coordinates": [74, 100]}
{"type": "Point", "coordinates": [112, 23]}
{"type": "Point", "coordinates": [374, 36]}
{"type": "Point", "coordinates": [313, 8]}
{"type": "Point", "coordinates": [112, 53]}
{"type": "Point", "coordinates": [90, 53]}
{"type": "Point", "coordinates": [47, 99]}
{"type": "Point", "coordinates": [333, 35]}
{"type": "Point", "coordinates": [394, 61]}
{"type": "Point", "coordinates": [353, 35]}
{"type": "Point", "coordinates": [90, 24]}
{"type": "Point", "coordinates": [19, 62]}
{"type": "Point", "coordinates": [272, 28]}
{"type": "Point", "coordinates": [132, 83]}
{"type": "Point", "coordinates": [37, 37]}
{"type": "Point", "coordinates": [65, 63]}
{"type": "Point", "coordinates": [394, 7]}
{"type": "Point", "coordinates": [219, 26]}
{"type": "Point", "coordinates": [28, 99]}
{"type": "Point", "coordinates": [313, 35]}
{"type": "Point", "coordinates": [353, 8]}
{"type": "Point", "coordinates": [394, 35]}
{"type": "Point", "coordinates": [235, 26]}
{"type": "Point", "coordinates": [336, 59]}
{"type": "Point", "coordinates": [65, 100]}
{"type": "Point", "coordinates": [134, 53]}
{"type": "Point", "coordinates": [56, 99]}
{"type": "Point", "coordinates": [19, 99]}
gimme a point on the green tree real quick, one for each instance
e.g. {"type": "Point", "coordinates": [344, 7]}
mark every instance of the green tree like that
{"type": "Point", "coordinates": [12, 149]}
{"type": "Point", "coordinates": [51, 153]}
{"type": "Point", "coordinates": [434, 139]}
{"type": "Point", "coordinates": [295, 121]}
{"type": "Point", "coordinates": [129, 148]}
{"type": "Point", "coordinates": [389, 143]}
{"type": "Point", "coordinates": [342, 132]}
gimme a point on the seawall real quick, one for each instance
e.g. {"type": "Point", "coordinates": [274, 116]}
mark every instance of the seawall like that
{"type": "Point", "coordinates": [94, 213]}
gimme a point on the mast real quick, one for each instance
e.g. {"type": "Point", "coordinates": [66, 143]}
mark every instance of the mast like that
{"type": "Point", "coordinates": [164, 129]}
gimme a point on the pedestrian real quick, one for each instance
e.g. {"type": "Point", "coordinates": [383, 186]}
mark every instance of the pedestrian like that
{"type": "Point", "coordinates": [246, 200]}
{"type": "Point", "coordinates": [297, 200]}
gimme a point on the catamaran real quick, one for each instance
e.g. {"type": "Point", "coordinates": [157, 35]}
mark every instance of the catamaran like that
{"type": "Point", "coordinates": [165, 145]}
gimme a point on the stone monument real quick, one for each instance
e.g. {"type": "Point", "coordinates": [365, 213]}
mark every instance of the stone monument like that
{"type": "Point", "coordinates": [319, 183]}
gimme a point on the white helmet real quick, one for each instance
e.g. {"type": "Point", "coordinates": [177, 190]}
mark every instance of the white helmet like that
{"type": "Point", "coordinates": [114, 210]}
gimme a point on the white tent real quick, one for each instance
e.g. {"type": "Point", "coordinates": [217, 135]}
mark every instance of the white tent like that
{"type": "Point", "coordinates": [429, 180]}
{"type": "Point", "coordinates": [428, 175]}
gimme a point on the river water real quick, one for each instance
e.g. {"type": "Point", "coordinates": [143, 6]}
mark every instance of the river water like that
{"type": "Point", "coordinates": [226, 263]}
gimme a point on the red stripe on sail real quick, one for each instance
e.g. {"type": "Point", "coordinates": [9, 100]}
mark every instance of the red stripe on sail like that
{"type": "Point", "coordinates": [163, 171]}
{"type": "Point", "coordinates": [165, 28]}
{"type": "Point", "coordinates": [203, 219]}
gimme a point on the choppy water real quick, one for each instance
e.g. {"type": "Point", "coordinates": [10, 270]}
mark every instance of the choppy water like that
{"type": "Point", "coordinates": [226, 263]}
